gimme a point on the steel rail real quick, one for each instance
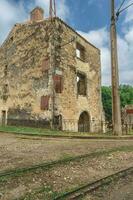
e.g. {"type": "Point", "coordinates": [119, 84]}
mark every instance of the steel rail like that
{"type": "Point", "coordinates": [80, 192]}
{"type": "Point", "coordinates": [48, 165]}
{"type": "Point", "coordinates": [65, 161]}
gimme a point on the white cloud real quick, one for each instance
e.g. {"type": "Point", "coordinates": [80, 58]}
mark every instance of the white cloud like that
{"type": "Point", "coordinates": [97, 37]}
{"type": "Point", "coordinates": [61, 7]}
{"type": "Point", "coordinates": [129, 12]}
{"type": "Point", "coordinates": [10, 13]}
{"type": "Point", "coordinates": [100, 38]}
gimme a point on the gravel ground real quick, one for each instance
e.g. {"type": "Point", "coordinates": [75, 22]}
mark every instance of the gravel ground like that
{"type": "Point", "coordinates": [20, 151]}
{"type": "Point", "coordinates": [64, 177]}
{"type": "Point", "coordinates": [120, 190]}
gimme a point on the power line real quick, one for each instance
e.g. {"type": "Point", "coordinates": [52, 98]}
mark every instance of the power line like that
{"type": "Point", "coordinates": [122, 3]}
{"type": "Point", "coordinates": [121, 10]}
{"type": "Point", "coordinates": [126, 8]}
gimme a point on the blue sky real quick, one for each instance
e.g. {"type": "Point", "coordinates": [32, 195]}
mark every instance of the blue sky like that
{"type": "Point", "coordinates": [91, 18]}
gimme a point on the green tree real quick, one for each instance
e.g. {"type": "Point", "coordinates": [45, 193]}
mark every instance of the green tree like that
{"type": "Point", "coordinates": [126, 97]}
{"type": "Point", "coordinates": [107, 102]}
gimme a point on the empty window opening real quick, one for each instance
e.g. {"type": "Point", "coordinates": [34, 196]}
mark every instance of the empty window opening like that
{"type": "Point", "coordinates": [11, 39]}
{"type": "Point", "coordinates": [45, 102]}
{"type": "Point", "coordinates": [5, 89]}
{"type": "Point", "coordinates": [45, 65]}
{"type": "Point", "coordinates": [3, 117]}
{"type": "Point", "coordinates": [81, 84]}
{"type": "Point", "coordinates": [46, 79]}
{"type": "Point", "coordinates": [58, 83]}
{"type": "Point", "coordinates": [5, 92]}
{"type": "Point", "coordinates": [80, 51]}
{"type": "Point", "coordinates": [5, 71]}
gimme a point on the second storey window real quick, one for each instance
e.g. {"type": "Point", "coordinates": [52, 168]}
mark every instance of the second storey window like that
{"type": "Point", "coordinates": [81, 84]}
{"type": "Point", "coordinates": [45, 65]}
{"type": "Point", "coordinates": [58, 83]}
{"type": "Point", "coordinates": [5, 92]}
{"type": "Point", "coordinates": [5, 71]}
{"type": "Point", "coordinates": [80, 52]}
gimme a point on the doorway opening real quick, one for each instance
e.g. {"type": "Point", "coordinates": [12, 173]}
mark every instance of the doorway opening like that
{"type": "Point", "coordinates": [84, 122]}
{"type": "Point", "coordinates": [3, 117]}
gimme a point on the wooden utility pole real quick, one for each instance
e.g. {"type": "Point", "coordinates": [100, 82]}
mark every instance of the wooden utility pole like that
{"type": "Point", "coordinates": [116, 111]}
{"type": "Point", "coordinates": [52, 15]}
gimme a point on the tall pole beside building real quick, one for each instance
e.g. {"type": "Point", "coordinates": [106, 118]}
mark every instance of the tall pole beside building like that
{"type": "Point", "coordinates": [52, 15]}
{"type": "Point", "coordinates": [116, 111]}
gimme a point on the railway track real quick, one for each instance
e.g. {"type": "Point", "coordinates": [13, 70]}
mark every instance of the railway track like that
{"type": "Point", "coordinates": [48, 165]}
{"type": "Point", "coordinates": [80, 192]}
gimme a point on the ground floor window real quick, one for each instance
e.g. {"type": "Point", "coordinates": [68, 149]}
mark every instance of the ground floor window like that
{"type": "Point", "coordinates": [3, 118]}
{"type": "Point", "coordinates": [81, 84]}
{"type": "Point", "coordinates": [45, 102]}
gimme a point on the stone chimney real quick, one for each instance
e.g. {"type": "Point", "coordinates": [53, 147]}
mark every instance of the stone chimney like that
{"type": "Point", "coordinates": [37, 14]}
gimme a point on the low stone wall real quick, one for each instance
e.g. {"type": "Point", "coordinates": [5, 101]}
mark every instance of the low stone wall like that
{"type": "Point", "coordinates": [29, 123]}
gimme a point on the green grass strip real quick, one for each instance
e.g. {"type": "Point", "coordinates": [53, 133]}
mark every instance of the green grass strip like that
{"type": "Point", "coordinates": [46, 132]}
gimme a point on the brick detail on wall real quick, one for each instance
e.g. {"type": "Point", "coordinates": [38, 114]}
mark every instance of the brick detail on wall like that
{"type": "Point", "coordinates": [37, 14]}
{"type": "Point", "coordinates": [129, 111]}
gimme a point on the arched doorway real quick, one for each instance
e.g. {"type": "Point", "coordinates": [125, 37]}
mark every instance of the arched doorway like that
{"type": "Point", "coordinates": [84, 122]}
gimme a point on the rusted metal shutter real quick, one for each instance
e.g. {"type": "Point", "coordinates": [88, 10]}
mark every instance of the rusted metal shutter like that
{"type": "Point", "coordinates": [58, 83]}
{"type": "Point", "coordinates": [129, 111]}
{"type": "Point", "coordinates": [45, 65]}
{"type": "Point", "coordinates": [45, 102]}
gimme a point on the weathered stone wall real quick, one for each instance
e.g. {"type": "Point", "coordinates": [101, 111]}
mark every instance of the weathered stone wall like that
{"type": "Point", "coordinates": [127, 114]}
{"type": "Point", "coordinates": [69, 104]}
{"type": "Point", "coordinates": [23, 54]}
{"type": "Point", "coordinates": [27, 56]}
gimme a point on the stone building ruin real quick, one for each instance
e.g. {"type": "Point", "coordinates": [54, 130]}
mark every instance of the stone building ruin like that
{"type": "Point", "coordinates": [50, 76]}
{"type": "Point", "coordinates": [127, 116]}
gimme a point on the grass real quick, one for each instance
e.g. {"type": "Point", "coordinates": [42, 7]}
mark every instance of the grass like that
{"type": "Point", "coordinates": [44, 132]}
{"type": "Point", "coordinates": [29, 131]}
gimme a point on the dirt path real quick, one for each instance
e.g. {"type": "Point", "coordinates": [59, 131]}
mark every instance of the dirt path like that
{"type": "Point", "coordinates": [17, 151]}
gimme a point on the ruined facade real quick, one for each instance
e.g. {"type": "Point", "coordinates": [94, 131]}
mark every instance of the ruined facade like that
{"type": "Point", "coordinates": [127, 115]}
{"type": "Point", "coordinates": [50, 76]}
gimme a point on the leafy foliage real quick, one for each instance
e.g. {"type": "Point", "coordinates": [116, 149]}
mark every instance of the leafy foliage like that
{"type": "Point", "coordinates": [107, 102]}
{"type": "Point", "coordinates": [126, 97]}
